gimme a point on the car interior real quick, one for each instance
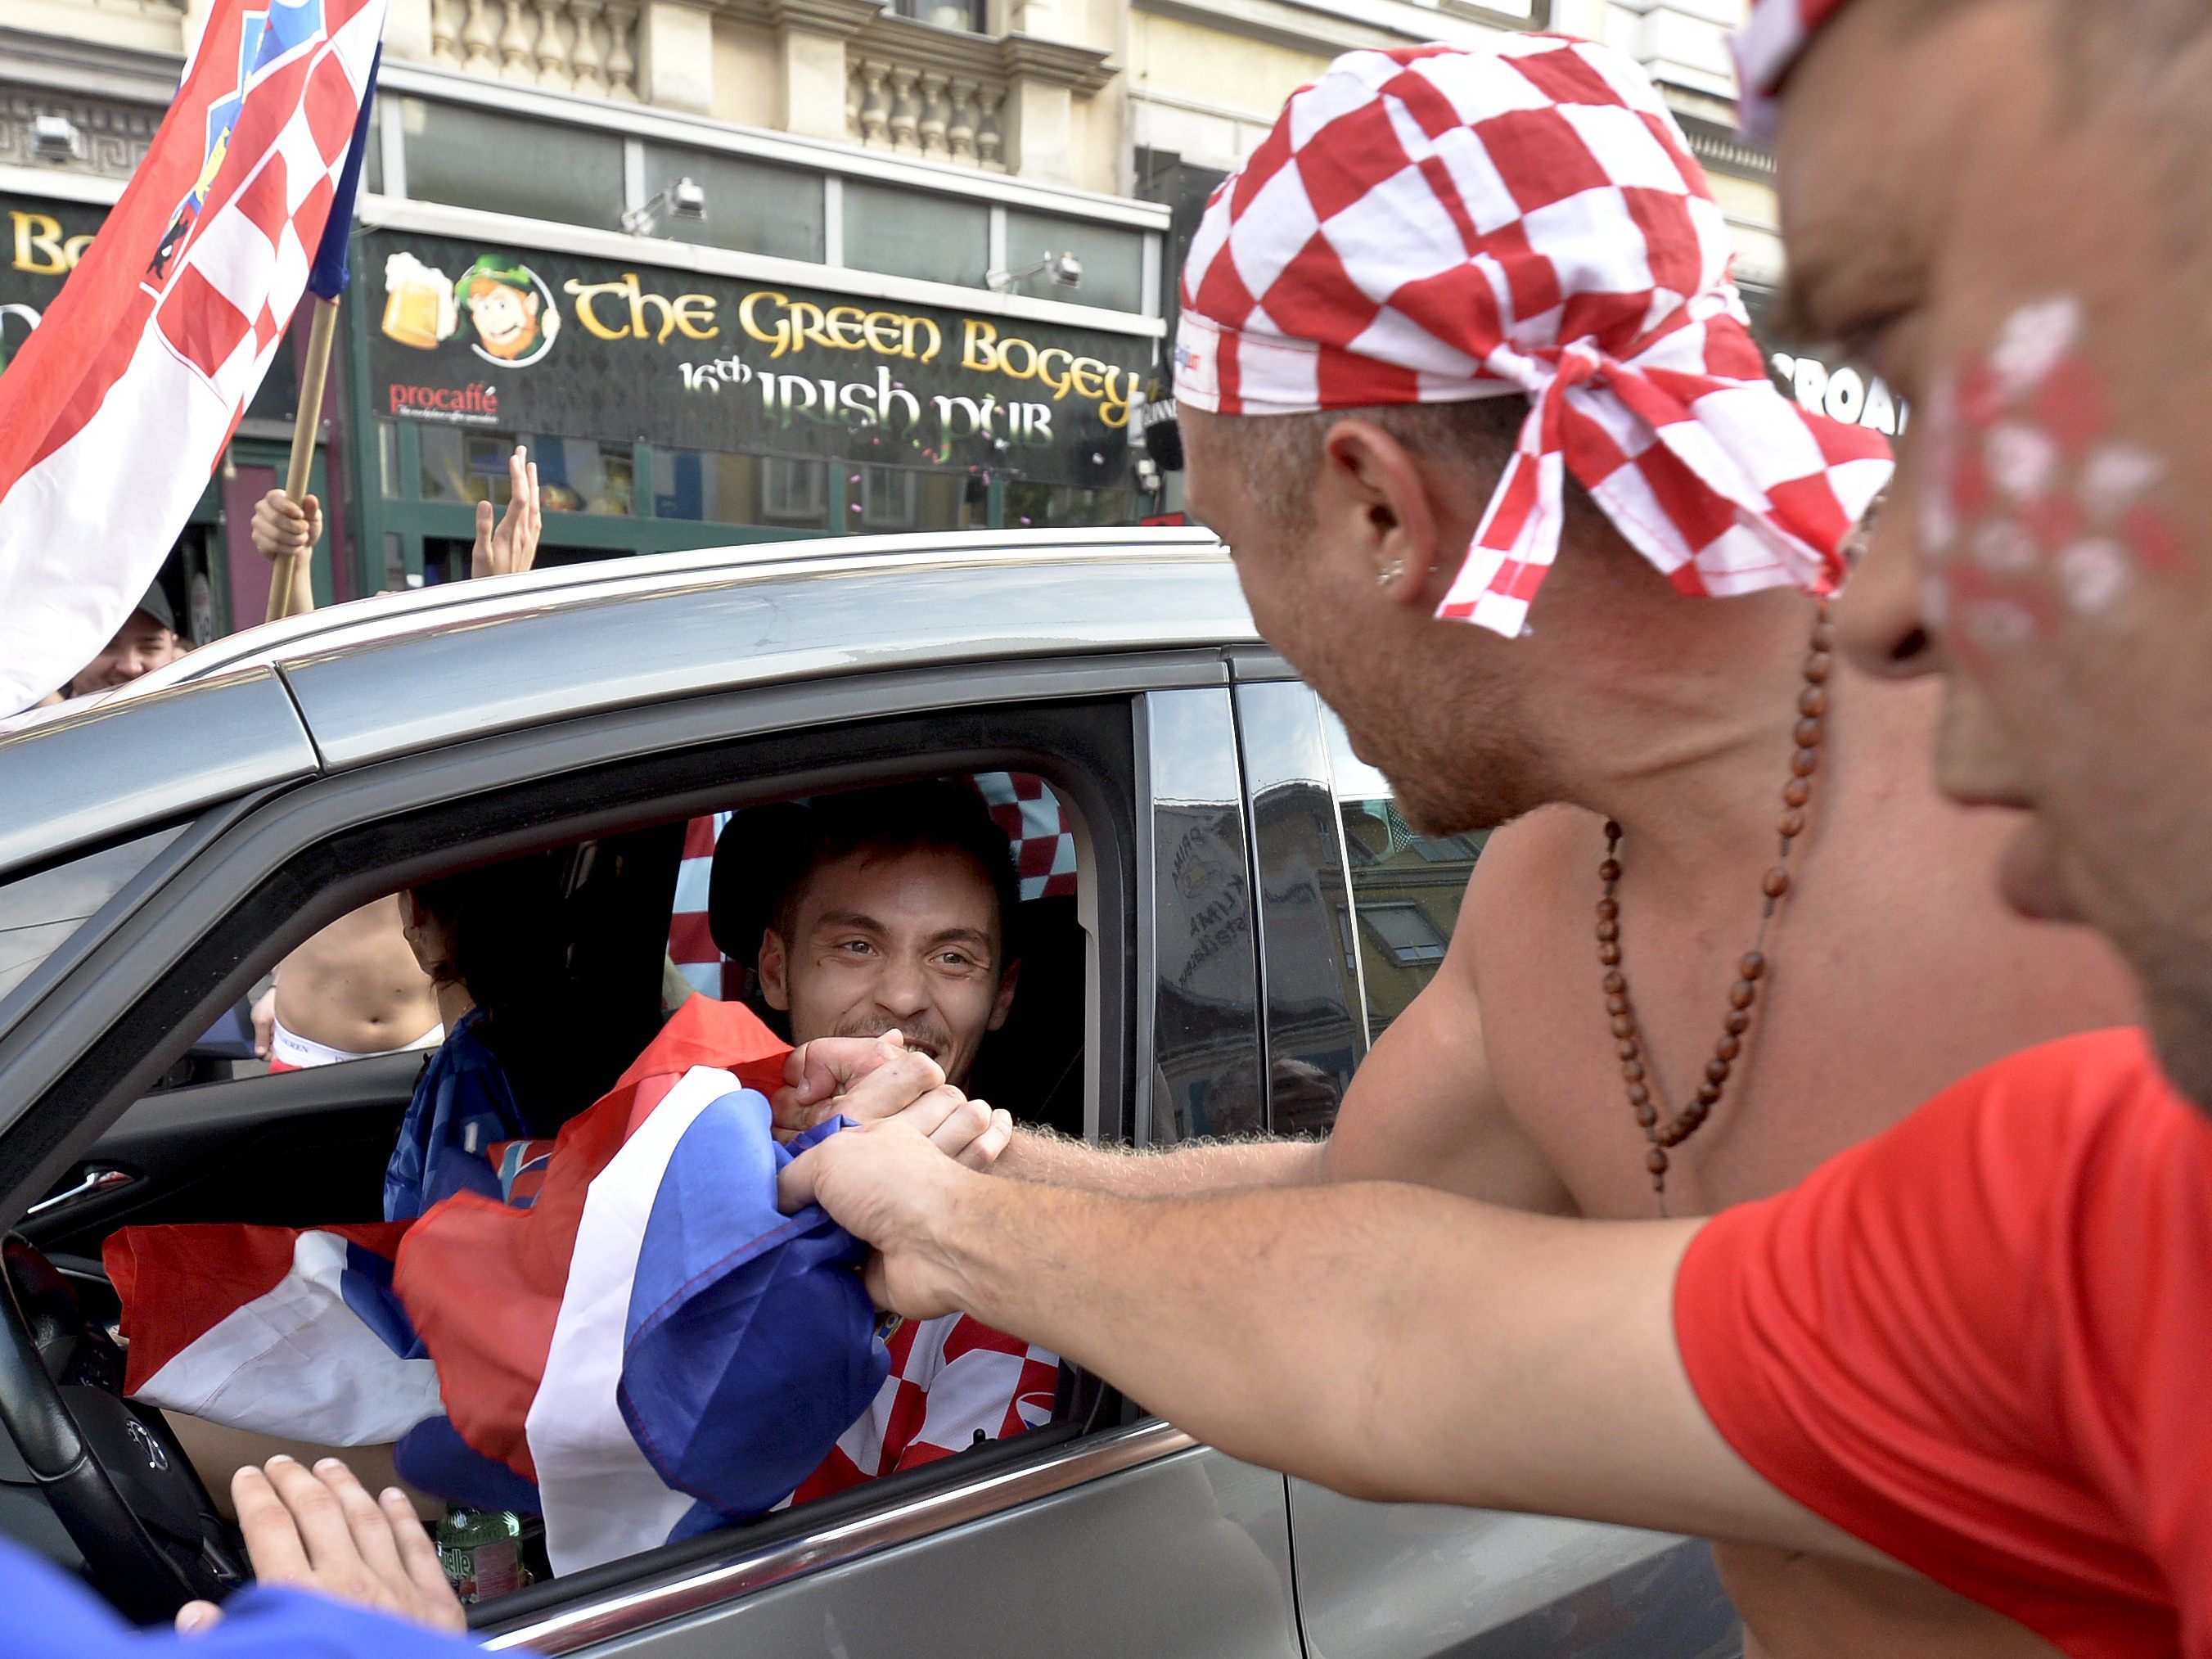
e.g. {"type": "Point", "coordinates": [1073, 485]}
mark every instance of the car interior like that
{"type": "Point", "coordinates": [215, 1138]}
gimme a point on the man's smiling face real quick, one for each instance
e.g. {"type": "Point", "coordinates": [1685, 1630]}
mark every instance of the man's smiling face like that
{"type": "Point", "coordinates": [2009, 234]}
{"type": "Point", "coordinates": [911, 942]}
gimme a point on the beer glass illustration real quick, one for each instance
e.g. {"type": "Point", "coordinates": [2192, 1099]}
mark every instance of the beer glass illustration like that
{"type": "Point", "coordinates": [418, 303]}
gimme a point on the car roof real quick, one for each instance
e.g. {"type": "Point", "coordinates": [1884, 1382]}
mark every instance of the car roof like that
{"type": "Point", "coordinates": [406, 671]}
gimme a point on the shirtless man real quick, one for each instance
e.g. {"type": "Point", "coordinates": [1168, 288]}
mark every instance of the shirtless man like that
{"type": "Point", "coordinates": [354, 989]}
{"type": "Point", "coordinates": [1891, 966]}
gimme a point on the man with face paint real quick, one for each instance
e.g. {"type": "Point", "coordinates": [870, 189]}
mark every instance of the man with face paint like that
{"type": "Point", "coordinates": [1972, 1348]}
{"type": "Point", "coordinates": [1536, 528]}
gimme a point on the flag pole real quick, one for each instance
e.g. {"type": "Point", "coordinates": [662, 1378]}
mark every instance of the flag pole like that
{"type": "Point", "coordinates": [306, 427]}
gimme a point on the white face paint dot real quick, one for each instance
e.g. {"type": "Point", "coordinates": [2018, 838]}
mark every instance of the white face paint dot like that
{"type": "Point", "coordinates": [2021, 460]}
{"type": "Point", "coordinates": [2003, 549]}
{"type": "Point", "coordinates": [2033, 340]}
{"type": "Point", "coordinates": [1939, 526]}
{"type": "Point", "coordinates": [2115, 477]}
{"type": "Point", "coordinates": [2093, 574]}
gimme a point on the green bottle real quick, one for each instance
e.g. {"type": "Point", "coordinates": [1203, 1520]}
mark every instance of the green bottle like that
{"type": "Point", "coordinates": [481, 1552]}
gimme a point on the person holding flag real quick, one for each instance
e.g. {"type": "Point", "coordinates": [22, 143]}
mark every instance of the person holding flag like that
{"type": "Point", "coordinates": [149, 357]}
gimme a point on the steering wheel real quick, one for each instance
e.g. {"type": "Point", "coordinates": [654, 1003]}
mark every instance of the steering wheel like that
{"type": "Point", "coordinates": [118, 1482]}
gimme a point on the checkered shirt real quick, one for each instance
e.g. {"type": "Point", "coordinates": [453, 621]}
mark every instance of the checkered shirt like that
{"type": "Point", "coordinates": [953, 1381]}
{"type": "Point", "coordinates": [1431, 224]}
{"type": "Point", "coordinates": [1021, 805]}
{"type": "Point", "coordinates": [1768, 48]}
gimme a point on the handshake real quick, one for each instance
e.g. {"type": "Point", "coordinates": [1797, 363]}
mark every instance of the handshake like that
{"type": "Point", "coordinates": [905, 1172]}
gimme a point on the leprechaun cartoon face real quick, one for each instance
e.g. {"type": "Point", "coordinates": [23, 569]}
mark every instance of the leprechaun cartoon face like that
{"type": "Point", "coordinates": [505, 313]}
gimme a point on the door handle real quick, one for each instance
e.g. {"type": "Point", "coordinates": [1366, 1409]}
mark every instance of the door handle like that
{"type": "Point", "coordinates": [98, 1178]}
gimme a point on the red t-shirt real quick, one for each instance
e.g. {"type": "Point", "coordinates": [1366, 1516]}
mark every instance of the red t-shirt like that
{"type": "Point", "coordinates": [1982, 1343]}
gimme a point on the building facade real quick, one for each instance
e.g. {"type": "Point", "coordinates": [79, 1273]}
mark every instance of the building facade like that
{"type": "Point", "coordinates": [746, 269]}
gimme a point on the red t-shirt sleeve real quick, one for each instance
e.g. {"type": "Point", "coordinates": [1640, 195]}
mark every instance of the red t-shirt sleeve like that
{"type": "Point", "coordinates": [1935, 1342]}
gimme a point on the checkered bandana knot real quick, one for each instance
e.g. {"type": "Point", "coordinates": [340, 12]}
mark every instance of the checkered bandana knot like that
{"type": "Point", "coordinates": [1433, 224]}
{"type": "Point", "coordinates": [1768, 46]}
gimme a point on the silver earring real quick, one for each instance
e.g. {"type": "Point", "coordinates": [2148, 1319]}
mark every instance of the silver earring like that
{"type": "Point", "coordinates": [1390, 573]}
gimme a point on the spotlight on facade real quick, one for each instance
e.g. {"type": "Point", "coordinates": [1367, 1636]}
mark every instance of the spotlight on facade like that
{"type": "Point", "coordinates": [1062, 270]}
{"type": "Point", "coordinates": [56, 138]}
{"type": "Point", "coordinates": [685, 199]}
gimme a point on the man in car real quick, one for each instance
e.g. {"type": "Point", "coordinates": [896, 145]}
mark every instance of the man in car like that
{"type": "Point", "coordinates": [896, 915]}
{"type": "Point", "coordinates": [146, 640]}
{"type": "Point", "coordinates": [1972, 1347]}
{"type": "Point", "coordinates": [1591, 1045]}
{"type": "Point", "coordinates": [880, 910]}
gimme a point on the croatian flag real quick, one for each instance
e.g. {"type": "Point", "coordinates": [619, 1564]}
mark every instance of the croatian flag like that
{"type": "Point", "coordinates": [631, 1340]}
{"type": "Point", "coordinates": [117, 407]}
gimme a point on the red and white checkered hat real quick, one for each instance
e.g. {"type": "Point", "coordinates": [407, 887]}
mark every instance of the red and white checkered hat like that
{"type": "Point", "coordinates": [1768, 48]}
{"type": "Point", "coordinates": [1433, 224]}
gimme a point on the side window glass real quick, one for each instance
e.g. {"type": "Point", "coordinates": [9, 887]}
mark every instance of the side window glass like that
{"type": "Point", "coordinates": [1405, 887]}
{"type": "Point", "coordinates": [39, 912]}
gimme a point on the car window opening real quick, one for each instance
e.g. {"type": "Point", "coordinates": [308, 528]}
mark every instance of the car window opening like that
{"type": "Point", "coordinates": [515, 995]}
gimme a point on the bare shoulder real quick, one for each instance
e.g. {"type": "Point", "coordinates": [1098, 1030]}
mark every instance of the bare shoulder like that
{"type": "Point", "coordinates": [1514, 898]}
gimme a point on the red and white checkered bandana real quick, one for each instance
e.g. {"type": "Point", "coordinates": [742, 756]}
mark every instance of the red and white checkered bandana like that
{"type": "Point", "coordinates": [1766, 49]}
{"type": "Point", "coordinates": [1433, 224]}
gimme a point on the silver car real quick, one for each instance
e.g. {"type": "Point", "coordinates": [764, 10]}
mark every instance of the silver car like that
{"type": "Point", "coordinates": [1250, 911]}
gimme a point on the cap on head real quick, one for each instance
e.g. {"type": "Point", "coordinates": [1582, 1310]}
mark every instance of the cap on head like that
{"type": "Point", "coordinates": [1768, 47]}
{"type": "Point", "coordinates": [1434, 224]}
{"type": "Point", "coordinates": [156, 605]}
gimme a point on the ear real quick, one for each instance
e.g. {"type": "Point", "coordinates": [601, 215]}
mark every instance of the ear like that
{"type": "Point", "coordinates": [1373, 495]}
{"type": "Point", "coordinates": [415, 927]}
{"type": "Point", "coordinates": [1004, 1005]}
{"type": "Point", "coordinates": [775, 965]}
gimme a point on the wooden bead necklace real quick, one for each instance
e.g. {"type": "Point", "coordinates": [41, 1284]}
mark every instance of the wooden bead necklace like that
{"type": "Point", "coordinates": [1646, 1098]}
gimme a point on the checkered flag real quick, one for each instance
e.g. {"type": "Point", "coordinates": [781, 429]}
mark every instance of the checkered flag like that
{"type": "Point", "coordinates": [116, 409]}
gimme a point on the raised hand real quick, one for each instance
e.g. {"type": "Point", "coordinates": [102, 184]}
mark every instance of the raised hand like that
{"type": "Point", "coordinates": [879, 1079]}
{"type": "Point", "coordinates": [282, 526]}
{"type": "Point", "coordinates": [817, 1074]}
{"type": "Point", "coordinates": [511, 544]}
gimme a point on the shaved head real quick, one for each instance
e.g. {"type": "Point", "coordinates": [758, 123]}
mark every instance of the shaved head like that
{"type": "Point", "coordinates": [1279, 454]}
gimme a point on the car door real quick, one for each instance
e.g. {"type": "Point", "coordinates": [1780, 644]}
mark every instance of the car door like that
{"type": "Point", "coordinates": [1111, 1535]}
{"type": "Point", "coordinates": [1355, 910]}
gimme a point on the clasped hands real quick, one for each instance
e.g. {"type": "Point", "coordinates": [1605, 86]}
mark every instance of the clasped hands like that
{"type": "Point", "coordinates": [899, 1176]}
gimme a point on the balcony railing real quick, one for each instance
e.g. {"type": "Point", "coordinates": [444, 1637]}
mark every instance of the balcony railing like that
{"type": "Point", "coordinates": [934, 113]}
{"type": "Point", "coordinates": [587, 47]}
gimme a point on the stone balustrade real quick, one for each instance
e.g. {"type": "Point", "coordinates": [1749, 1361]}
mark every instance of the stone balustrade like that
{"type": "Point", "coordinates": [587, 47]}
{"type": "Point", "coordinates": [936, 113]}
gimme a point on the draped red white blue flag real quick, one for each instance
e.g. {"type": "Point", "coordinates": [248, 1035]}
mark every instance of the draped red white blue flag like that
{"type": "Point", "coordinates": [119, 407]}
{"type": "Point", "coordinates": [630, 1339]}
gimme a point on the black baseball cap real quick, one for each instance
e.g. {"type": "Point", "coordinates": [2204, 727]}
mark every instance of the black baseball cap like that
{"type": "Point", "coordinates": [156, 604]}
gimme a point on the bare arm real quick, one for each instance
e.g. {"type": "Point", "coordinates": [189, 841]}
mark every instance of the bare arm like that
{"type": "Point", "coordinates": [1184, 1171]}
{"type": "Point", "coordinates": [1421, 1108]}
{"type": "Point", "coordinates": [282, 528]}
{"type": "Point", "coordinates": [1415, 1345]}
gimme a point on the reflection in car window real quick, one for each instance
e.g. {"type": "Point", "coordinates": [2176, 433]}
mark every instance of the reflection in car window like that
{"type": "Point", "coordinates": [1405, 887]}
{"type": "Point", "coordinates": [37, 912]}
